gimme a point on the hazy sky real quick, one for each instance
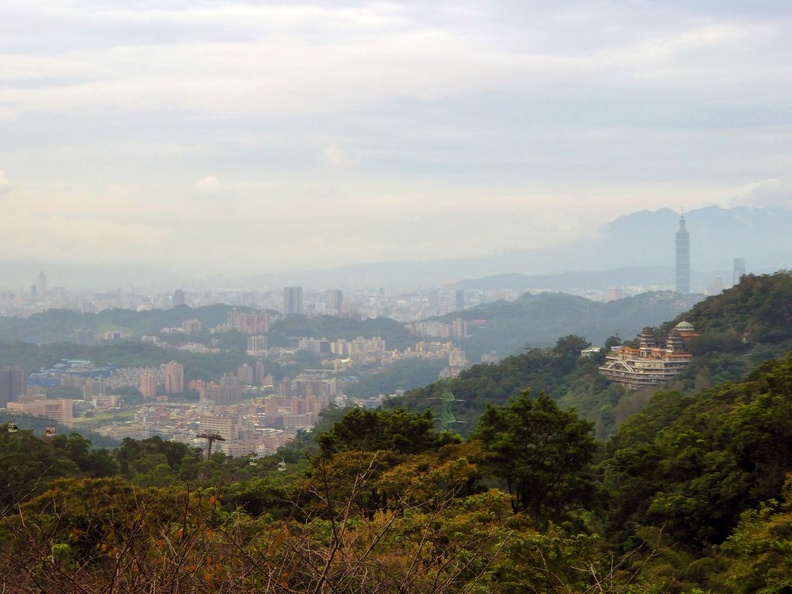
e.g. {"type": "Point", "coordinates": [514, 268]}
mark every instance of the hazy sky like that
{"type": "Point", "coordinates": [252, 137]}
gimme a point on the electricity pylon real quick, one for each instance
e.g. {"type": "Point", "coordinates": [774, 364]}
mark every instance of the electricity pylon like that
{"type": "Point", "coordinates": [446, 398]}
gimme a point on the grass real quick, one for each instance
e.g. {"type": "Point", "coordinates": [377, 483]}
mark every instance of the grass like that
{"type": "Point", "coordinates": [104, 418]}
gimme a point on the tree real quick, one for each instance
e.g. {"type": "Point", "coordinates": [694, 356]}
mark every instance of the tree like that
{"type": "Point", "coordinates": [760, 546]}
{"type": "Point", "coordinates": [367, 430]}
{"type": "Point", "coordinates": [570, 346]}
{"type": "Point", "coordinates": [542, 454]}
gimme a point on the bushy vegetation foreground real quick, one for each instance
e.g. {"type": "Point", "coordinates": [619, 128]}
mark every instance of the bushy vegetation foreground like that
{"type": "Point", "coordinates": [689, 496]}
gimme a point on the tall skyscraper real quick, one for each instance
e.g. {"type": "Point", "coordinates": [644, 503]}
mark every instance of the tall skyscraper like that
{"type": "Point", "coordinates": [334, 300]}
{"type": "Point", "coordinates": [13, 384]}
{"type": "Point", "coordinates": [42, 284]}
{"type": "Point", "coordinates": [179, 298]}
{"type": "Point", "coordinates": [682, 258]}
{"type": "Point", "coordinates": [459, 299]}
{"type": "Point", "coordinates": [738, 271]}
{"type": "Point", "coordinates": [292, 300]}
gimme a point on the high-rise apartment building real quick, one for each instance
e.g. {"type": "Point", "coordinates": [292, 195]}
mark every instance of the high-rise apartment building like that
{"type": "Point", "coordinates": [174, 378]}
{"type": "Point", "coordinates": [191, 326]}
{"type": "Point", "coordinates": [42, 284]}
{"type": "Point", "coordinates": [246, 374]}
{"type": "Point", "coordinates": [334, 300]}
{"type": "Point", "coordinates": [13, 384]}
{"type": "Point", "coordinates": [255, 322]}
{"type": "Point", "coordinates": [227, 392]}
{"type": "Point", "coordinates": [86, 337]}
{"type": "Point", "coordinates": [682, 258]}
{"type": "Point", "coordinates": [148, 385]}
{"type": "Point", "coordinates": [284, 388]}
{"type": "Point", "coordinates": [179, 298]}
{"type": "Point", "coordinates": [226, 427]}
{"type": "Point", "coordinates": [459, 299]}
{"type": "Point", "coordinates": [259, 374]}
{"type": "Point", "coordinates": [257, 344]}
{"type": "Point", "coordinates": [292, 300]}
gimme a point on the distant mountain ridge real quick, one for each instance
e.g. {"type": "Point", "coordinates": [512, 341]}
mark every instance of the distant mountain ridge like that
{"type": "Point", "coordinates": [643, 239]}
{"type": "Point", "coordinates": [638, 240]}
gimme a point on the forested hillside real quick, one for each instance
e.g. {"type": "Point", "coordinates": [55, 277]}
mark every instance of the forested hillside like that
{"type": "Point", "coordinates": [60, 325]}
{"type": "Point", "coordinates": [536, 321]}
{"type": "Point", "coordinates": [689, 496]}
{"type": "Point", "coordinates": [738, 330]}
{"type": "Point", "coordinates": [204, 366]}
{"type": "Point", "coordinates": [559, 372]}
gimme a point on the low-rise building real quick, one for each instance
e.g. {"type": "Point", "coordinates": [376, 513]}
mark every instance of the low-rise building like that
{"type": "Point", "coordinates": [58, 410]}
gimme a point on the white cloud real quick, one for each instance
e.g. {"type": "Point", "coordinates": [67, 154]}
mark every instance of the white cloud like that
{"type": "Point", "coordinates": [274, 60]}
{"type": "Point", "coordinates": [766, 193]}
{"type": "Point", "coordinates": [208, 185]}
{"type": "Point", "coordinates": [4, 183]}
{"type": "Point", "coordinates": [336, 157]}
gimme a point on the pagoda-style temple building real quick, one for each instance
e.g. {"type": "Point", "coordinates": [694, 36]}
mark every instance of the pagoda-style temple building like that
{"type": "Point", "coordinates": [654, 362]}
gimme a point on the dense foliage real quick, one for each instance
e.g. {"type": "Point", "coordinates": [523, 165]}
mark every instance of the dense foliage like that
{"type": "Point", "coordinates": [559, 372]}
{"type": "Point", "coordinates": [60, 325]}
{"type": "Point", "coordinates": [738, 330]}
{"type": "Point", "coordinates": [406, 374]}
{"type": "Point", "coordinates": [286, 330]}
{"type": "Point", "coordinates": [689, 495]}
{"type": "Point", "coordinates": [693, 465]}
{"type": "Point", "coordinates": [541, 452]}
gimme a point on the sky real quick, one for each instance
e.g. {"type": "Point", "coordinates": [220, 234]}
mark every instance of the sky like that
{"type": "Point", "coordinates": [211, 137]}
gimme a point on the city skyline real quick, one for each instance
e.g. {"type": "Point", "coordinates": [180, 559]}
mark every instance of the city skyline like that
{"type": "Point", "coordinates": [304, 136]}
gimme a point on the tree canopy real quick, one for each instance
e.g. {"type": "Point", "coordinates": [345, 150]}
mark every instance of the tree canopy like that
{"type": "Point", "coordinates": [542, 453]}
{"type": "Point", "coordinates": [362, 429]}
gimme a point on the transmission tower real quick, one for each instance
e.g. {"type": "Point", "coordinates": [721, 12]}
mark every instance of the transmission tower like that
{"type": "Point", "coordinates": [446, 398]}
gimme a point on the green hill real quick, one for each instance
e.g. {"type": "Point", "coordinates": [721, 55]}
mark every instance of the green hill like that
{"type": "Point", "coordinates": [538, 320]}
{"type": "Point", "coordinates": [692, 464]}
{"type": "Point", "coordinates": [759, 308]}
{"type": "Point", "coordinates": [60, 325]}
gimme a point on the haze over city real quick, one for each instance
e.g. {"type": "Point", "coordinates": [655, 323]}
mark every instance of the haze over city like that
{"type": "Point", "coordinates": [246, 138]}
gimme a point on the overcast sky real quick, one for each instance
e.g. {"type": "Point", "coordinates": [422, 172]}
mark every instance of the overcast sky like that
{"type": "Point", "coordinates": [204, 136]}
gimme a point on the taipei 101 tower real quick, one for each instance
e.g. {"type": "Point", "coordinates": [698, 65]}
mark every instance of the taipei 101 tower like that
{"type": "Point", "coordinates": [682, 258]}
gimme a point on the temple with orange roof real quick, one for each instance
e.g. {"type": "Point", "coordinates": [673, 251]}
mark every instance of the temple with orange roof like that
{"type": "Point", "coordinates": [654, 362]}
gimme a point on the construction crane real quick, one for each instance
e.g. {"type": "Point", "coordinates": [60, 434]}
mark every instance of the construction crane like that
{"type": "Point", "coordinates": [211, 438]}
